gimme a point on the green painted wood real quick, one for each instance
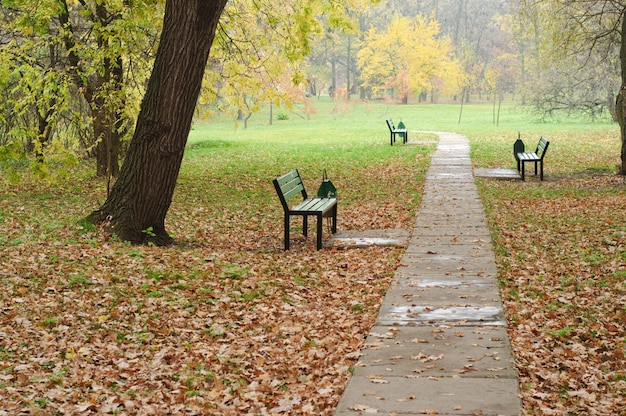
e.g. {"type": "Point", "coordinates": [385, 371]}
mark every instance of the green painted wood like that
{"type": "Point", "coordinates": [393, 131]}
{"type": "Point", "coordinates": [535, 157]}
{"type": "Point", "coordinates": [287, 187]}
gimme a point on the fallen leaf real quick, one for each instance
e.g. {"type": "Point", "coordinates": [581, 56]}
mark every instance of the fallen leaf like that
{"type": "Point", "coordinates": [363, 408]}
{"type": "Point", "coordinates": [379, 381]}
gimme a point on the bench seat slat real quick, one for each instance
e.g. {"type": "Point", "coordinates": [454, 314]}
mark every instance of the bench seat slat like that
{"type": "Point", "coordinates": [530, 156]}
{"type": "Point", "coordinates": [314, 205]}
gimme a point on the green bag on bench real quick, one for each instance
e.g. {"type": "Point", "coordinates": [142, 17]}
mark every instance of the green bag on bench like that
{"type": "Point", "coordinates": [326, 189]}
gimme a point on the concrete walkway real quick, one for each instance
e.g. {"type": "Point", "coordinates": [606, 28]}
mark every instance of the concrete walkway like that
{"type": "Point", "coordinates": [439, 345]}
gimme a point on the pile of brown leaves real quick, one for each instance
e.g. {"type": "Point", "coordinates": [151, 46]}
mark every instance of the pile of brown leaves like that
{"type": "Point", "coordinates": [224, 322]}
{"type": "Point", "coordinates": [169, 331]}
{"type": "Point", "coordinates": [562, 263]}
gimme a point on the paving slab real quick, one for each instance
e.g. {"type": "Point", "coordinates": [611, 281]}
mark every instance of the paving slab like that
{"type": "Point", "coordinates": [451, 179]}
{"type": "Point", "coordinates": [429, 217]}
{"type": "Point", "coordinates": [488, 315]}
{"type": "Point", "coordinates": [452, 194]}
{"type": "Point", "coordinates": [436, 274]}
{"type": "Point", "coordinates": [440, 264]}
{"type": "Point", "coordinates": [451, 231]}
{"type": "Point", "coordinates": [429, 395]}
{"type": "Point", "coordinates": [458, 168]}
{"type": "Point", "coordinates": [464, 170]}
{"type": "Point", "coordinates": [433, 249]}
{"type": "Point", "coordinates": [451, 161]}
{"type": "Point", "coordinates": [451, 239]}
{"type": "Point", "coordinates": [442, 295]}
{"type": "Point", "coordinates": [436, 351]}
{"type": "Point", "coordinates": [440, 344]}
{"type": "Point", "coordinates": [447, 281]}
{"type": "Point", "coordinates": [498, 173]}
{"type": "Point", "coordinates": [455, 206]}
{"type": "Point", "coordinates": [359, 239]}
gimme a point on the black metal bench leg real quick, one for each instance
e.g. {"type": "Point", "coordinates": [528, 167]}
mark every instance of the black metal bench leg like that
{"type": "Point", "coordinates": [523, 172]}
{"type": "Point", "coordinates": [286, 232]}
{"type": "Point", "coordinates": [535, 168]}
{"type": "Point", "coordinates": [320, 223]}
{"type": "Point", "coordinates": [305, 225]}
{"type": "Point", "coordinates": [334, 220]}
{"type": "Point", "coordinates": [541, 170]}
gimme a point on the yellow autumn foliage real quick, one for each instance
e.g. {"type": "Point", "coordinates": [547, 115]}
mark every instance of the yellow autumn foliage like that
{"type": "Point", "coordinates": [410, 57]}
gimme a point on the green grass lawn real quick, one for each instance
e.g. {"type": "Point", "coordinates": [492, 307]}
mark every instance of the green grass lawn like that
{"type": "Point", "coordinates": [576, 145]}
{"type": "Point", "coordinates": [214, 323]}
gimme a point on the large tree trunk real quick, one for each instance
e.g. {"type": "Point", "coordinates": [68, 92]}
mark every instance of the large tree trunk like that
{"type": "Point", "coordinates": [620, 112]}
{"type": "Point", "coordinates": [136, 208]}
{"type": "Point", "coordinates": [620, 104]}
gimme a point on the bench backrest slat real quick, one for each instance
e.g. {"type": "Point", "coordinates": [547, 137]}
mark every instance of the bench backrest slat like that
{"type": "Point", "coordinates": [542, 147]}
{"type": "Point", "coordinates": [288, 186]}
{"type": "Point", "coordinates": [390, 124]}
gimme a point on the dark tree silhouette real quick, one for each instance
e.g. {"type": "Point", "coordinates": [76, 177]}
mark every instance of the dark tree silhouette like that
{"type": "Point", "coordinates": [139, 200]}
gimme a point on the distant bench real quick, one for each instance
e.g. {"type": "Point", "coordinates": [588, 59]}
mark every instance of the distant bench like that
{"type": "Point", "coordinates": [522, 156]}
{"type": "Point", "coordinates": [290, 185]}
{"type": "Point", "coordinates": [393, 131]}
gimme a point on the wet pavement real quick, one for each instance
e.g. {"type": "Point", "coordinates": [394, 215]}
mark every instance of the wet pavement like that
{"type": "Point", "coordinates": [498, 173]}
{"type": "Point", "coordinates": [439, 345]}
{"type": "Point", "coordinates": [356, 239]}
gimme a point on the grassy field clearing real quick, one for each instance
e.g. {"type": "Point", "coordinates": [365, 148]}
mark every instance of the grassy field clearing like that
{"type": "Point", "coordinates": [215, 323]}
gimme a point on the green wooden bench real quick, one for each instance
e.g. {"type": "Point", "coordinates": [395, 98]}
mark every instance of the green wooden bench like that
{"type": "Point", "coordinates": [290, 185]}
{"type": "Point", "coordinates": [522, 156]}
{"type": "Point", "coordinates": [393, 131]}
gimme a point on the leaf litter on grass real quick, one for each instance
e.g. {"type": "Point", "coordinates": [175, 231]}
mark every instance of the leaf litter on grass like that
{"type": "Point", "coordinates": [224, 322]}
{"type": "Point", "coordinates": [561, 252]}
{"type": "Point", "coordinates": [173, 329]}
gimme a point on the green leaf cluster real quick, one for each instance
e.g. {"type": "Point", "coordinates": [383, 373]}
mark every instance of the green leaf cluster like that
{"type": "Point", "coordinates": [71, 65]}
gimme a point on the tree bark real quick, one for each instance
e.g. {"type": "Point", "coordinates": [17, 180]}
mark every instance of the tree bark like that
{"type": "Point", "coordinates": [620, 103]}
{"type": "Point", "coordinates": [106, 125]}
{"type": "Point", "coordinates": [620, 112]}
{"type": "Point", "coordinates": [136, 208]}
{"type": "Point", "coordinates": [106, 120]}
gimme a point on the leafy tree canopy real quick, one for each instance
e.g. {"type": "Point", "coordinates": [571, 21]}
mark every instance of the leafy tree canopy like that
{"type": "Point", "coordinates": [409, 57]}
